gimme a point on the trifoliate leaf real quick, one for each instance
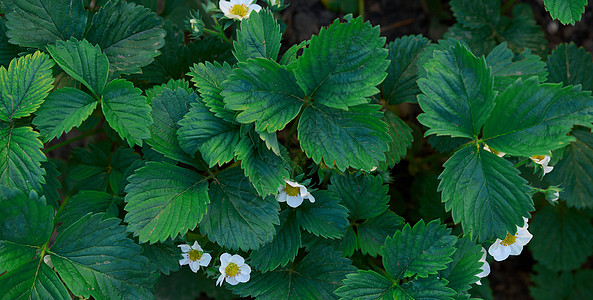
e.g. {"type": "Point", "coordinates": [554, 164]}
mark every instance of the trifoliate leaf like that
{"type": "Point", "coordinates": [424, 288]}
{"type": "Point", "coordinates": [8, 51]}
{"type": "Point", "coordinates": [365, 196]}
{"type": "Point", "coordinates": [83, 61]}
{"type": "Point", "coordinates": [506, 68]}
{"type": "Point", "coordinates": [575, 171]}
{"type": "Point", "coordinates": [476, 13]}
{"type": "Point", "coordinates": [24, 85]}
{"type": "Point", "coordinates": [571, 65]}
{"type": "Point", "coordinates": [126, 111]}
{"type": "Point", "coordinates": [371, 233]}
{"type": "Point", "coordinates": [457, 93]}
{"type": "Point", "coordinates": [561, 237]}
{"type": "Point", "coordinates": [532, 118]}
{"type": "Point", "coordinates": [95, 258]}
{"type": "Point", "coordinates": [316, 276]}
{"type": "Point", "coordinates": [164, 200]}
{"type": "Point", "coordinates": [63, 110]}
{"type": "Point", "coordinates": [259, 36]}
{"type": "Point", "coordinates": [462, 271]}
{"type": "Point", "coordinates": [400, 84]}
{"type": "Point", "coordinates": [89, 201]}
{"type": "Point", "coordinates": [38, 23]}
{"type": "Point", "coordinates": [366, 285]}
{"type": "Point", "coordinates": [343, 64]}
{"type": "Point", "coordinates": [566, 11]}
{"type": "Point", "coordinates": [238, 218]}
{"type": "Point", "coordinates": [485, 193]}
{"type": "Point", "coordinates": [208, 79]}
{"type": "Point", "coordinates": [326, 217]}
{"type": "Point", "coordinates": [32, 280]}
{"type": "Point", "coordinates": [202, 131]}
{"type": "Point", "coordinates": [130, 35]}
{"type": "Point", "coordinates": [20, 158]}
{"type": "Point", "coordinates": [282, 249]}
{"type": "Point", "coordinates": [265, 93]}
{"type": "Point", "coordinates": [421, 250]}
{"type": "Point", "coordinates": [360, 131]}
{"type": "Point", "coordinates": [165, 255]}
{"type": "Point", "coordinates": [168, 108]}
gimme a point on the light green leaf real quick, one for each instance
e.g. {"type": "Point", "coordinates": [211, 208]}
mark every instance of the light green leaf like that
{"type": "Point", "coordinates": [282, 249]}
{"type": "Point", "coordinates": [130, 35]}
{"type": "Point", "coordinates": [476, 13]}
{"type": "Point", "coordinates": [208, 78]}
{"type": "Point", "coordinates": [485, 193]}
{"type": "Point", "coordinates": [238, 218]}
{"type": "Point", "coordinates": [36, 23]}
{"type": "Point", "coordinates": [561, 237]}
{"type": "Point", "coordinates": [539, 121]}
{"type": "Point", "coordinates": [400, 84]}
{"type": "Point", "coordinates": [83, 61]}
{"type": "Point", "coordinates": [462, 271]}
{"type": "Point", "coordinates": [326, 217]}
{"type": "Point", "coordinates": [361, 134]}
{"type": "Point", "coordinates": [364, 195]}
{"type": "Point", "coordinates": [63, 110]}
{"type": "Point", "coordinates": [24, 86]}
{"type": "Point", "coordinates": [506, 68]}
{"type": "Point", "coordinates": [126, 111]}
{"type": "Point", "coordinates": [424, 288]}
{"type": "Point", "coordinates": [95, 258]}
{"type": "Point", "coordinates": [566, 11]}
{"type": "Point", "coordinates": [164, 200]}
{"type": "Point", "coordinates": [32, 280]}
{"type": "Point", "coordinates": [259, 36]}
{"type": "Point", "coordinates": [265, 93]}
{"type": "Point", "coordinates": [457, 93]}
{"type": "Point", "coordinates": [343, 64]}
{"type": "Point", "coordinates": [20, 158]}
{"type": "Point", "coordinates": [366, 285]}
{"type": "Point", "coordinates": [571, 65]}
{"type": "Point", "coordinates": [372, 232]}
{"type": "Point", "coordinates": [422, 250]}
{"type": "Point", "coordinates": [89, 201]}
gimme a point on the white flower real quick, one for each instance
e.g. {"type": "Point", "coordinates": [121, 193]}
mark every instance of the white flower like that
{"type": "Point", "coordinates": [194, 256]}
{"type": "Point", "coordinates": [233, 269]}
{"type": "Point", "coordinates": [47, 261]}
{"type": "Point", "coordinates": [543, 160]}
{"type": "Point", "coordinates": [512, 244]}
{"type": "Point", "coordinates": [238, 9]}
{"type": "Point", "coordinates": [485, 267]}
{"type": "Point", "coordinates": [293, 194]}
{"type": "Point", "coordinates": [497, 153]}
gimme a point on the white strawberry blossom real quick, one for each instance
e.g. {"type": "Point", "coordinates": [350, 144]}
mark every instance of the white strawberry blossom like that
{"type": "Point", "coordinates": [485, 267]}
{"type": "Point", "coordinates": [512, 244]}
{"type": "Point", "coordinates": [543, 160]}
{"type": "Point", "coordinates": [233, 269]}
{"type": "Point", "coordinates": [194, 256]}
{"type": "Point", "coordinates": [497, 153]}
{"type": "Point", "coordinates": [293, 194]}
{"type": "Point", "coordinates": [238, 9]}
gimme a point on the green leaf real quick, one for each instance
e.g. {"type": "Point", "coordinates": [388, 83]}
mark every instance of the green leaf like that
{"type": "Point", "coordinates": [561, 237]}
{"type": "Point", "coordinates": [365, 196]}
{"type": "Point", "coordinates": [37, 23]}
{"type": "Point", "coordinates": [566, 11]}
{"type": "Point", "coordinates": [8, 51]}
{"type": "Point", "coordinates": [457, 93]}
{"type": "Point", "coordinates": [83, 61]}
{"type": "Point", "coordinates": [265, 93]}
{"type": "Point", "coordinates": [366, 285]}
{"type": "Point", "coordinates": [89, 201]}
{"type": "Point", "coordinates": [485, 193]}
{"type": "Point", "coordinates": [32, 280]}
{"type": "Point", "coordinates": [476, 13]}
{"type": "Point", "coordinates": [571, 65]}
{"type": "Point", "coordinates": [171, 84]}
{"type": "Point", "coordinates": [95, 258]}
{"type": "Point", "coordinates": [424, 288]}
{"type": "Point", "coordinates": [130, 35]}
{"type": "Point", "coordinates": [24, 86]}
{"type": "Point", "coordinates": [326, 217]}
{"type": "Point", "coordinates": [540, 122]}
{"type": "Point", "coordinates": [316, 276]}
{"type": "Point", "coordinates": [282, 249]}
{"type": "Point", "coordinates": [259, 36]}
{"type": "Point", "coordinates": [480, 40]}
{"type": "Point", "coordinates": [574, 171]}
{"type": "Point", "coordinates": [421, 250]}
{"type": "Point", "coordinates": [63, 110]}
{"type": "Point", "coordinates": [550, 285]}
{"type": "Point", "coordinates": [238, 218]}
{"type": "Point", "coordinates": [424, 191]}
{"type": "Point", "coordinates": [361, 134]}
{"type": "Point", "coordinates": [523, 32]}
{"type": "Point", "coordinates": [20, 158]}
{"type": "Point", "coordinates": [371, 233]}
{"type": "Point", "coordinates": [126, 111]}
{"type": "Point", "coordinates": [292, 53]}
{"type": "Point", "coordinates": [168, 108]}
{"type": "Point", "coordinates": [401, 138]}
{"type": "Point", "coordinates": [208, 78]}
{"type": "Point", "coordinates": [506, 68]}
{"type": "Point", "coordinates": [52, 184]}
{"type": "Point", "coordinates": [187, 285]}
{"type": "Point", "coordinates": [202, 131]}
{"type": "Point", "coordinates": [164, 200]}
{"type": "Point", "coordinates": [462, 271]}
{"type": "Point", "coordinates": [343, 64]}
{"type": "Point", "coordinates": [164, 255]}
{"type": "Point", "coordinates": [400, 84]}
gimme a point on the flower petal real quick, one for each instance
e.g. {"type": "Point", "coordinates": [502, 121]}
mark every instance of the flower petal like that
{"type": "Point", "coordinates": [292, 183]}
{"type": "Point", "coordinates": [184, 261]}
{"type": "Point", "coordinates": [237, 259]}
{"type": "Point", "coordinates": [311, 198]}
{"type": "Point", "coordinates": [281, 197]}
{"type": "Point", "coordinates": [255, 7]}
{"type": "Point", "coordinates": [243, 277]}
{"type": "Point", "coordinates": [184, 247]}
{"type": "Point", "coordinates": [220, 280]}
{"type": "Point", "coordinates": [294, 201]}
{"type": "Point", "coordinates": [232, 280]}
{"type": "Point", "coordinates": [205, 260]}
{"type": "Point", "coordinates": [194, 266]}
{"type": "Point", "coordinates": [196, 246]}
{"type": "Point", "coordinates": [225, 259]}
{"type": "Point", "coordinates": [225, 6]}
{"type": "Point", "coordinates": [498, 251]}
{"type": "Point", "coordinates": [245, 269]}
{"type": "Point", "coordinates": [515, 249]}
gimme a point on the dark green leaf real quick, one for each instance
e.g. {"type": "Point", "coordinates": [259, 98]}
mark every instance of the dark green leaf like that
{"type": "Point", "coordinates": [424, 288]}
{"type": "Point", "coordinates": [365, 196]}
{"type": "Point", "coordinates": [401, 138]}
{"type": "Point", "coordinates": [89, 201]}
{"type": "Point", "coordinates": [326, 217]}
{"type": "Point", "coordinates": [366, 285]}
{"type": "Point", "coordinates": [506, 68]}
{"type": "Point", "coordinates": [259, 36]}
{"type": "Point", "coordinates": [164, 255]}
{"type": "Point", "coordinates": [371, 233]}
{"type": "Point", "coordinates": [462, 271]}
{"type": "Point", "coordinates": [208, 78]}
{"type": "Point", "coordinates": [20, 158]}
{"type": "Point", "coordinates": [571, 65]}
{"type": "Point", "coordinates": [8, 51]}
{"type": "Point", "coordinates": [480, 40]}
{"type": "Point", "coordinates": [523, 32]}
{"type": "Point", "coordinates": [187, 285]}
{"type": "Point", "coordinates": [52, 184]}
{"type": "Point", "coordinates": [550, 285]}
{"type": "Point", "coordinates": [283, 248]}
{"type": "Point", "coordinates": [566, 11]}
{"type": "Point", "coordinates": [32, 280]}
{"type": "Point", "coordinates": [476, 13]}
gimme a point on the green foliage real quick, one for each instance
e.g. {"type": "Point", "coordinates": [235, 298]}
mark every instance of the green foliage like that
{"type": "Point", "coordinates": [424, 288]}
{"type": "Point", "coordinates": [283, 248]}
{"type": "Point", "coordinates": [89, 201]}
{"type": "Point", "coordinates": [401, 138]}
{"type": "Point", "coordinates": [259, 36]}
{"type": "Point", "coordinates": [326, 217]}
{"type": "Point", "coordinates": [371, 233]}
{"type": "Point", "coordinates": [462, 271]}
{"type": "Point", "coordinates": [366, 285]}
{"type": "Point", "coordinates": [8, 51]}
{"type": "Point", "coordinates": [566, 11]}
{"type": "Point", "coordinates": [364, 196]}
{"type": "Point", "coordinates": [20, 158]}
{"type": "Point", "coordinates": [208, 78]}
{"type": "Point", "coordinates": [570, 64]}
{"type": "Point", "coordinates": [164, 255]}
{"type": "Point", "coordinates": [564, 285]}
{"type": "Point", "coordinates": [506, 67]}
{"type": "Point", "coordinates": [476, 14]}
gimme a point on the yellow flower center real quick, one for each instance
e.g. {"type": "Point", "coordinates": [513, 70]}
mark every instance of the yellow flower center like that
{"type": "Point", "coordinates": [195, 255]}
{"type": "Point", "coordinates": [495, 152]}
{"type": "Point", "coordinates": [509, 240]}
{"type": "Point", "coordinates": [538, 158]}
{"type": "Point", "coordinates": [292, 190]}
{"type": "Point", "coordinates": [239, 10]}
{"type": "Point", "coordinates": [232, 270]}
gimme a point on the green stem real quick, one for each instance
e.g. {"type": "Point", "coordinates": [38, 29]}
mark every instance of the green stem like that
{"type": "Point", "coordinates": [218, 34]}
{"type": "Point", "coordinates": [361, 8]}
{"type": "Point", "coordinates": [61, 208]}
{"type": "Point", "coordinates": [524, 161]}
{"type": "Point", "coordinates": [64, 143]}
